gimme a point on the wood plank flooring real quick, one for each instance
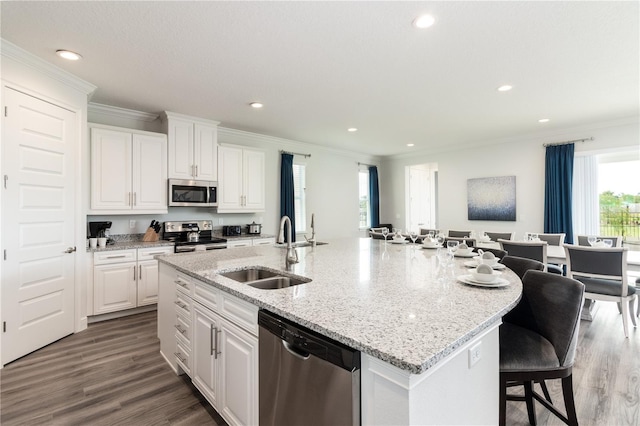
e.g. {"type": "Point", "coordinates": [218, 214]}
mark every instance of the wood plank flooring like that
{"type": "Point", "coordinates": [112, 374]}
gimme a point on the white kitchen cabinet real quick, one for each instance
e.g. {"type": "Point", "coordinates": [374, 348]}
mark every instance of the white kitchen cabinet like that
{"type": "Point", "coordinates": [125, 279]}
{"type": "Point", "coordinates": [193, 147]}
{"type": "Point", "coordinates": [249, 242]}
{"type": "Point", "coordinates": [219, 349]}
{"type": "Point", "coordinates": [241, 175]}
{"type": "Point", "coordinates": [239, 243]}
{"type": "Point", "coordinates": [128, 171]}
{"type": "Point", "coordinates": [267, 241]}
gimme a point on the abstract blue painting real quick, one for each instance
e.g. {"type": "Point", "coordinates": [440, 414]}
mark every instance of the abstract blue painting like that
{"type": "Point", "coordinates": [492, 198]}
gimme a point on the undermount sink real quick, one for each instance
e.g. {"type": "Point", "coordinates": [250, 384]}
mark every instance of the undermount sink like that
{"type": "Point", "coordinates": [300, 244]}
{"type": "Point", "coordinates": [263, 278]}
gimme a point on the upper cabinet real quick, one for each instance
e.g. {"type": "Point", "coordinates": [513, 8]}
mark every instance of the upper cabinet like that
{"type": "Point", "coordinates": [241, 175]}
{"type": "Point", "coordinates": [128, 171]}
{"type": "Point", "coordinates": [193, 144]}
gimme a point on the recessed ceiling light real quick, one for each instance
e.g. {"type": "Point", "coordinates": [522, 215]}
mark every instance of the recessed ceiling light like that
{"type": "Point", "coordinates": [67, 54]}
{"type": "Point", "coordinates": [256, 105]}
{"type": "Point", "coordinates": [352, 129]}
{"type": "Point", "coordinates": [410, 144]}
{"type": "Point", "coordinates": [505, 88]}
{"type": "Point", "coordinates": [424, 21]}
{"type": "Point", "coordinates": [544, 120]}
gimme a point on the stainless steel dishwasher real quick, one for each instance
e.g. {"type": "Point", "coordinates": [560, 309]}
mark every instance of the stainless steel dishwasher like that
{"type": "Point", "coordinates": [305, 378]}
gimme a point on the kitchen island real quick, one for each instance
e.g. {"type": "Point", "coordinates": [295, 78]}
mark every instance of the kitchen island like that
{"type": "Point", "coordinates": [428, 342]}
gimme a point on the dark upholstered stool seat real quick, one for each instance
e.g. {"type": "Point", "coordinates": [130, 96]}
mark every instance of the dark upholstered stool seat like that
{"type": "Point", "coordinates": [602, 286]}
{"type": "Point", "coordinates": [522, 349]}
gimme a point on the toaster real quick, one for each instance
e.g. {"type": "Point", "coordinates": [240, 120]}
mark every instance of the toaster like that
{"type": "Point", "coordinates": [231, 230]}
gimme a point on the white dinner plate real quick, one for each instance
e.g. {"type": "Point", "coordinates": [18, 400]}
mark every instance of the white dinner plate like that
{"type": "Point", "coordinates": [468, 279]}
{"type": "Point", "coordinates": [399, 241]}
{"type": "Point", "coordinates": [474, 264]}
{"type": "Point", "coordinates": [456, 254]}
{"type": "Point", "coordinates": [431, 247]}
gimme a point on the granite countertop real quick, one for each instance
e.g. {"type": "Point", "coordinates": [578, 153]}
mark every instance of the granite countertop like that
{"type": "Point", "coordinates": [243, 236]}
{"type": "Point", "coordinates": [125, 245]}
{"type": "Point", "coordinates": [389, 301]}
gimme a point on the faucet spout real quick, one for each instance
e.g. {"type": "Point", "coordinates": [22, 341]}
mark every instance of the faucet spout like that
{"type": "Point", "coordinates": [292, 255]}
{"type": "Point", "coordinates": [313, 232]}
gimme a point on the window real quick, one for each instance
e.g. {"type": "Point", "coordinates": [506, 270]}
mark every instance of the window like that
{"type": "Point", "coordinates": [299, 197]}
{"type": "Point", "coordinates": [365, 203]}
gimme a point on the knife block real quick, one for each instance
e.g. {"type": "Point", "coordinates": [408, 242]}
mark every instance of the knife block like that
{"type": "Point", "coordinates": [150, 236]}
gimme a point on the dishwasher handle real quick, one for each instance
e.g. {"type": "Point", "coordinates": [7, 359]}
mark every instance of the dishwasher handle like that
{"type": "Point", "coordinates": [297, 352]}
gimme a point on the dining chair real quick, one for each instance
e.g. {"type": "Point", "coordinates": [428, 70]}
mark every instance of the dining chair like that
{"type": "Point", "coordinates": [536, 250]}
{"type": "Point", "coordinates": [500, 254]}
{"type": "Point", "coordinates": [551, 239]}
{"type": "Point", "coordinates": [520, 265]}
{"type": "Point", "coordinates": [459, 234]}
{"type": "Point", "coordinates": [603, 271]}
{"type": "Point", "coordinates": [495, 236]}
{"type": "Point", "coordinates": [583, 240]}
{"type": "Point", "coordinates": [425, 231]}
{"type": "Point", "coordinates": [470, 242]}
{"type": "Point", "coordinates": [538, 340]}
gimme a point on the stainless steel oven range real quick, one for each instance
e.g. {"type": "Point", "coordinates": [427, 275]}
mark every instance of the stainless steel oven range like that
{"type": "Point", "coordinates": [193, 235]}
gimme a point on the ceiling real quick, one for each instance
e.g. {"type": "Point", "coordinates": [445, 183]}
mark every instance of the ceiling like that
{"type": "Point", "coordinates": [322, 67]}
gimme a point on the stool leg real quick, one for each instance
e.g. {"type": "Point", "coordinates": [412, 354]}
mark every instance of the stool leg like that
{"type": "Point", "coordinates": [545, 391]}
{"type": "Point", "coordinates": [503, 402]}
{"type": "Point", "coordinates": [569, 403]}
{"type": "Point", "coordinates": [528, 395]}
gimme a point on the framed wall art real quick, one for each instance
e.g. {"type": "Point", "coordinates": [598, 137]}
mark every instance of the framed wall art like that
{"type": "Point", "coordinates": [492, 198]}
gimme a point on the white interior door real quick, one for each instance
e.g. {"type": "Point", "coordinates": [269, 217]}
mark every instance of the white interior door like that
{"type": "Point", "coordinates": [38, 142]}
{"type": "Point", "coordinates": [420, 197]}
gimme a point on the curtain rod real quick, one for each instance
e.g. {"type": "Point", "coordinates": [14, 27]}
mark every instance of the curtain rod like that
{"type": "Point", "coordinates": [365, 164]}
{"type": "Point", "coordinates": [567, 142]}
{"type": "Point", "coordinates": [295, 153]}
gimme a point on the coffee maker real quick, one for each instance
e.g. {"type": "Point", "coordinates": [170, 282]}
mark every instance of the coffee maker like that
{"type": "Point", "coordinates": [97, 229]}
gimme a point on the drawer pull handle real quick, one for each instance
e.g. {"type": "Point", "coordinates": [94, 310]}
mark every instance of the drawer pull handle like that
{"type": "Point", "coordinates": [180, 283]}
{"type": "Point", "coordinates": [116, 257]}
{"type": "Point", "coordinates": [155, 253]}
{"type": "Point", "coordinates": [180, 358]}
{"type": "Point", "coordinates": [180, 329]}
{"type": "Point", "coordinates": [181, 305]}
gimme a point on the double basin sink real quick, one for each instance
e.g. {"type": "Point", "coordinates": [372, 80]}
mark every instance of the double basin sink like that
{"type": "Point", "coordinates": [264, 279]}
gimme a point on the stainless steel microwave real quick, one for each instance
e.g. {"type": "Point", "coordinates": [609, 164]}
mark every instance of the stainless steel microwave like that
{"type": "Point", "coordinates": [193, 193]}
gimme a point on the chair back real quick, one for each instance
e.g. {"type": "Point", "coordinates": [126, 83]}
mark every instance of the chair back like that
{"type": "Point", "coordinates": [425, 231]}
{"type": "Point", "coordinates": [470, 242]}
{"type": "Point", "coordinates": [521, 265]}
{"type": "Point", "coordinates": [588, 263]}
{"type": "Point", "coordinates": [551, 239]}
{"type": "Point", "coordinates": [459, 234]}
{"type": "Point", "coordinates": [527, 249]}
{"type": "Point", "coordinates": [583, 240]}
{"type": "Point", "coordinates": [495, 236]}
{"type": "Point", "coordinates": [551, 306]}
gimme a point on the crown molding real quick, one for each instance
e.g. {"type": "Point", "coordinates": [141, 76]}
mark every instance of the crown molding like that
{"type": "Point", "coordinates": [15, 53]}
{"type": "Point", "coordinates": [111, 111]}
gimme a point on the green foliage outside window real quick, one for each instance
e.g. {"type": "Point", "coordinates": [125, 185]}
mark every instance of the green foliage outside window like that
{"type": "Point", "coordinates": [620, 215]}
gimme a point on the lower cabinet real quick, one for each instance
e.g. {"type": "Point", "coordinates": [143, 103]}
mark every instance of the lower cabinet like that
{"type": "Point", "coordinates": [218, 348]}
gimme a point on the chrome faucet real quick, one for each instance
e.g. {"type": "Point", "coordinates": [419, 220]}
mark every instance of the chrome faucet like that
{"type": "Point", "coordinates": [292, 255]}
{"type": "Point", "coordinates": [312, 240]}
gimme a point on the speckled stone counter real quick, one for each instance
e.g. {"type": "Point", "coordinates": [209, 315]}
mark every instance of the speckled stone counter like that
{"type": "Point", "coordinates": [390, 301]}
{"type": "Point", "coordinates": [125, 245]}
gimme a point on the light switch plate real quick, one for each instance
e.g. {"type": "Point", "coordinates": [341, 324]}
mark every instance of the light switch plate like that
{"type": "Point", "coordinates": [475, 354]}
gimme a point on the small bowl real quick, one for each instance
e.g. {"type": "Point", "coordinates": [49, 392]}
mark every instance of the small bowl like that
{"type": "Point", "coordinates": [485, 276]}
{"type": "Point", "coordinates": [430, 244]}
{"type": "Point", "coordinates": [464, 252]}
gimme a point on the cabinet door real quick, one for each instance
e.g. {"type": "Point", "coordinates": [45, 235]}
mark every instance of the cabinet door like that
{"type": "Point", "coordinates": [229, 178]}
{"type": "Point", "coordinates": [110, 170]}
{"type": "Point", "coordinates": [205, 147]}
{"type": "Point", "coordinates": [180, 141]}
{"type": "Point", "coordinates": [238, 375]}
{"type": "Point", "coordinates": [205, 366]}
{"type": "Point", "coordinates": [147, 282]}
{"type": "Point", "coordinates": [253, 165]}
{"type": "Point", "coordinates": [114, 287]}
{"type": "Point", "coordinates": [149, 173]}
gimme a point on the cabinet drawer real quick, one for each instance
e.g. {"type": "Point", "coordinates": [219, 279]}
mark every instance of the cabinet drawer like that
{"type": "Point", "coordinates": [208, 296]}
{"type": "Point", "coordinates": [150, 252]}
{"type": "Point", "coordinates": [183, 330]}
{"type": "Point", "coordinates": [241, 243]}
{"type": "Point", "coordinates": [184, 304]}
{"type": "Point", "coordinates": [183, 358]}
{"type": "Point", "coordinates": [264, 241]}
{"type": "Point", "coordinates": [241, 313]}
{"type": "Point", "coordinates": [114, 256]}
{"type": "Point", "coordinates": [184, 283]}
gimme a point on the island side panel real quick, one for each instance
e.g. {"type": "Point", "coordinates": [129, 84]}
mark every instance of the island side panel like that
{"type": "Point", "coordinates": [166, 314]}
{"type": "Point", "coordinates": [391, 396]}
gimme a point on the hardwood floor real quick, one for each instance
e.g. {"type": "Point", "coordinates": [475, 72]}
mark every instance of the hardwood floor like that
{"type": "Point", "coordinates": [112, 374]}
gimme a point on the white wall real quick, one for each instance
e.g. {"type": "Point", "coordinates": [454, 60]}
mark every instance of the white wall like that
{"type": "Point", "coordinates": [332, 181]}
{"type": "Point", "coordinates": [521, 157]}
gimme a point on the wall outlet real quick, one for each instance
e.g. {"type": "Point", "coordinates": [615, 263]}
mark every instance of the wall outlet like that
{"type": "Point", "coordinates": [475, 354]}
{"type": "Point", "coordinates": [220, 221]}
{"type": "Point", "coordinates": [132, 224]}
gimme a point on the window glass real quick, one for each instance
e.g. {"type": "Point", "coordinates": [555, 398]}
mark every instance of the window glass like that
{"type": "Point", "coordinates": [619, 191]}
{"type": "Point", "coordinates": [299, 197]}
{"type": "Point", "coordinates": [365, 203]}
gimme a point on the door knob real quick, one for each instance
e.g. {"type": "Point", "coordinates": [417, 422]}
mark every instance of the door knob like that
{"type": "Point", "coordinates": [70, 250]}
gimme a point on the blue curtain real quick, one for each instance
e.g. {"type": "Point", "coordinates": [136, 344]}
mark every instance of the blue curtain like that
{"type": "Point", "coordinates": [374, 196]}
{"type": "Point", "coordinates": [287, 202]}
{"type": "Point", "coordinates": [557, 190]}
